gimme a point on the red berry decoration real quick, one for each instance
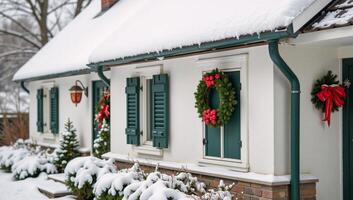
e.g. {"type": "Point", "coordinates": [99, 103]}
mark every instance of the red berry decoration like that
{"type": "Point", "coordinates": [103, 109]}
{"type": "Point", "coordinates": [226, 92]}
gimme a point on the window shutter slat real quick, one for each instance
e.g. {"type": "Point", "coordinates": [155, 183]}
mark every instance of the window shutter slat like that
{"type": "Point", "coordinates": [40, 110]}
{"type": "Point", "coordinates": [160, 111]}
{"type": "Point", "coordinates": [132, 107]}
{"type": "Point", "coordinates": [54, 110]}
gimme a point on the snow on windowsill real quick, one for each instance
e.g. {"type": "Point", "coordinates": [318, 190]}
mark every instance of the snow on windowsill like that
{"type": "Point", "coordinates": [220, 172]}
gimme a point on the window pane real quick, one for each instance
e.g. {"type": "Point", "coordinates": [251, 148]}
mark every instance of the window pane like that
{"type": "Point", "coordinates": [149, 109]}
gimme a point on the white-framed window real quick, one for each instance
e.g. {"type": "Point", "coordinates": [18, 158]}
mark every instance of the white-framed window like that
{"type": "Point", "coordinates": [228, 145]}
{"type": "Point", "coordinates": [145, 73]}
{"type": "Point", "coordinates": [145, 109]}
{"type": "Point", "coordinates": [46, 109]}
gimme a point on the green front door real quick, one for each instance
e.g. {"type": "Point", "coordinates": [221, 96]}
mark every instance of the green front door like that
{"type": "Point", "coordinates": [348, 132]}
{"type": "Point", "coordinates": [98, 89]}
{"type": "Point", "coordinates": [231, 131]}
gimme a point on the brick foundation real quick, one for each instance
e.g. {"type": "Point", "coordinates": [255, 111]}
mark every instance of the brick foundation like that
{"type": "Point", "coordinates": [244, 190]}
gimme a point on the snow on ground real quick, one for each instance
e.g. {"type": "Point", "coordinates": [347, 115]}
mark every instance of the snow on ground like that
{"type": "Point", "coordinates": [23, 190]}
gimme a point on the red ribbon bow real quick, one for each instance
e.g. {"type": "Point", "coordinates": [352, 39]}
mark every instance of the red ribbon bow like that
{"type": "Point", "coordinates": [331, 95]}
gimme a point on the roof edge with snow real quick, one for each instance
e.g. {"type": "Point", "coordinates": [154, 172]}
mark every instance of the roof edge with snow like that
{"type": "Point", "coordinates": [282, 30]}
{"type": "Point", "coordinates": [199, 48]}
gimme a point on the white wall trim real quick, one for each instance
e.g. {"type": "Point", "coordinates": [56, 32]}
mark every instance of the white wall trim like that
{"type": "Point", "coordinates": [220, 172]}
{"type": "Point", "coordinates": [323, 35]}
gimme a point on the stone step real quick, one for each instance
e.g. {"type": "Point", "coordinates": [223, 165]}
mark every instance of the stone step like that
{"type": "Point", "coordinates": [53, 189]}
{"type": "Point", "coordinates": [57, 177]}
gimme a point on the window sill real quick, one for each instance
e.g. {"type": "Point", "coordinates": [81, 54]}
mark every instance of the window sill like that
{"type": "Point", "coordinates": [234, 165]}
{"type": "Point", "coordinates": [48, 136]}
{"type": "Point", "coordinates": [148, 150]}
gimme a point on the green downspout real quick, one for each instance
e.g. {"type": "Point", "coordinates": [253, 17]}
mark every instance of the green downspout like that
{"type": "Point", "coordinates": [101, 75]}
{"type": "Point", "coordinates": [22, 83]}
{"type": "Point", "coordinates": [295, 117]}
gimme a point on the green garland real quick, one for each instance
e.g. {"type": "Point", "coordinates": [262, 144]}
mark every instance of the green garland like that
{"type": "Point", "coordinates": [226, 92]}
{"type": "Point", "coordinates": [328, 79]}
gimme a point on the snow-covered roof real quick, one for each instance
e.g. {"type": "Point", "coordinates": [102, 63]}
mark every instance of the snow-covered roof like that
{"type": "Point", "coordinates": [69, 50]}
{"type": "Point", "coordinates": [339, 14]}
{"type": "Point", "coordinates": [164, 25]}
{"type": "Point", "coordinates": [133, 27]}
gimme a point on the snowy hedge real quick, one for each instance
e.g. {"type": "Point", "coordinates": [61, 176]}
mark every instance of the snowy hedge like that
{"type": "Point", "coordinates": [82, 173]}
{"type": "Point", "coordinates": [92, 178]}
{"type": "Point", "coordinates": [32, 166]}
{"type": "Point", "coordinates": [25, 160]}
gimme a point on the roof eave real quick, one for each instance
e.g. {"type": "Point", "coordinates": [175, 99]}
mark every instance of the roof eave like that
{"type": "Point", "coordinates": [57, 75]}
{"type": "Point", "coordinates": [207, 46]}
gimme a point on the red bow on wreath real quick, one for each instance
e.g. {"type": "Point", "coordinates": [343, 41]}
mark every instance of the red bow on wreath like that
{"type": "Point", "coordinates": [331, 95]}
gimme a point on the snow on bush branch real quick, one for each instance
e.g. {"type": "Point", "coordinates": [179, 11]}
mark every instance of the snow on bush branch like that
{"type": "Point", "coordinates": [85, 173]}
{"type": "Point", "coordinates": [26, 160]}
{"type": "Point", "coordinates": [82, 173]}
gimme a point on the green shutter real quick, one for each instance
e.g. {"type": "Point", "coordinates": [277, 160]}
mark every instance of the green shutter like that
{"type": "Point", "coordinates": [160, 111]}
{"type": "Point", "coordinates": [54, 110]}
{"type": "Point", "coordinates": [40, 110]}
{"type": "Point", "coordinates": [213, 135]}
{"type": "Point", "coordinates": [232, 140]}
{"type": "Point", "coordinates": [132, 91]}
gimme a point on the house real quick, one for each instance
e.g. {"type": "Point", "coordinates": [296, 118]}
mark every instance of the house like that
{"type": "Point", "coordinates": [152, 54]}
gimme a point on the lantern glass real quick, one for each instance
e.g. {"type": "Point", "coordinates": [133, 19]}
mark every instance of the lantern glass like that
{"type": "Point", "coordinates": [76, 94]}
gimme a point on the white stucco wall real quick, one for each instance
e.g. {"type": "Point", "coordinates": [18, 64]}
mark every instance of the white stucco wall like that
{"type": "Point", "coordinates": [185, 126]}
{"type": "Point", "coordinates": [268, 114]}
{"type": "Point", "coordinates": [320, 146]}
{"type": "Point", "coordinates": [80, 115]}
{"type": "Point", "coordinates": [268, 100]}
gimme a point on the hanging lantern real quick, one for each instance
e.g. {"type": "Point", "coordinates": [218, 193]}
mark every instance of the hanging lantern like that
{"type": "Point", "coordinates": [76, 92]}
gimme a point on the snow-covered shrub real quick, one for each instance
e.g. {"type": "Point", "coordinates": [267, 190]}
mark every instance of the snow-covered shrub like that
{"type": "Point", "coordinates": [10, 156]}
{"type": "Point", "coordinates": [112, 185]}
{"type": "Point", "coordinates": [14, 156]}
{"type": "Point", "coordinates": [134, 184]}
{"type": "Point", "coordinates": [102, 142]}
{"type": "Point", "coordinates": [69, 147]}
{"type": "Point", "coordinates": [162, 186]}
{"type": "Point", "coordinates": [82, 173]}
{"type": "Point", "coordinates": [221, 193]}
{"type": "Point", "coordinates": [32, 166]}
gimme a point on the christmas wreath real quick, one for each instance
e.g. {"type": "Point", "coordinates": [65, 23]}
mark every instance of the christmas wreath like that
{"type": "Point", "coordinates": [103, 110]}
{"type": "Point", "coordinates": [328, 95]}
{"type": "Point", "coordinates": [220, 82]}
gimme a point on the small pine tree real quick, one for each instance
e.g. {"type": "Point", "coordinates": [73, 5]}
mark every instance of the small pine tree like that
{"type": "Point", "coordinates": [69, 147]}
{"type": "Point", "coordinates": [102, 143]}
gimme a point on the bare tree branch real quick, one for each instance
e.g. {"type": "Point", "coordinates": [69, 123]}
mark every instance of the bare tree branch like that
{"type": "Point", "coordinates": [10, 53]}
{"type": "Point", "coordinates": [19, 35]}
{"type": "Point", "coordinates": [19, 24]}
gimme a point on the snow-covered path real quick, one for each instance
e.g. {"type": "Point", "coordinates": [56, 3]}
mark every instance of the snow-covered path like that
{"type": "Point", "coordinates": [22, 190]}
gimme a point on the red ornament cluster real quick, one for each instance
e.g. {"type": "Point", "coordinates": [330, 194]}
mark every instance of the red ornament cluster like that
{"type": "Point", "coordinates": [210, 79]}
{"type": "Point", "coordinates": [209, 116]}
{"type": "Point", "coordinates": [103, 112]}
{"type": "Point", "coordinates": [331, 94]}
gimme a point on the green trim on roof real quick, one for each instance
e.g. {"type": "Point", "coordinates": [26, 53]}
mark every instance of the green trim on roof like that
{"type": "Point", "coordinates": [57, 75]}
{"type": "Point", "coordinates": [207, 46]}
